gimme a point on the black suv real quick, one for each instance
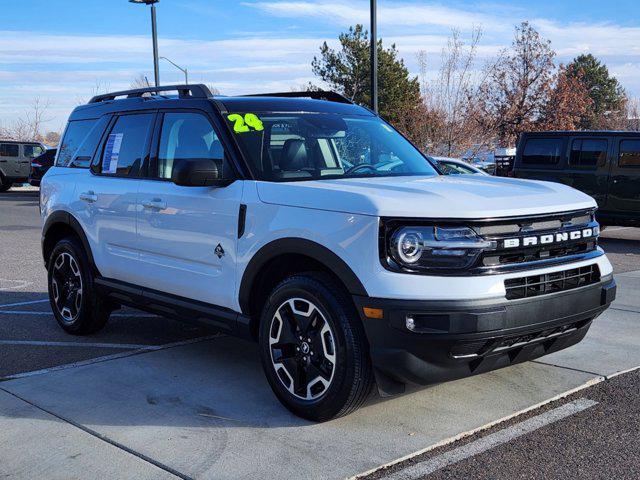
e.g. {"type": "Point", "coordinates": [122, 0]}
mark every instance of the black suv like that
{"type": "Point", "coordinates": [605, 165]}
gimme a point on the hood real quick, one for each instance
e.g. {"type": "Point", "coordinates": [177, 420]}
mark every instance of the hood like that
{"type": "Point", "coordinates": [455, 196]}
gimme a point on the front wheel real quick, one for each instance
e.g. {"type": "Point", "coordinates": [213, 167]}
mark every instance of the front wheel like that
{"type": "Point", "coordinates": [313, 348]}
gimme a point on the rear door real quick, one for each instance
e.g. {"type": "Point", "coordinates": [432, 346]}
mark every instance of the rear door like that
{"type": "Point", "coordinates": [624, 188]}
{"type": "Point", "coordinates": [588, 167]}
{"type": "Point", "coordinates": [187, 235]}
{"type": "Point", "coordinates": [10, 160]}
{"type": "Point", "coordinates": [106, 197]}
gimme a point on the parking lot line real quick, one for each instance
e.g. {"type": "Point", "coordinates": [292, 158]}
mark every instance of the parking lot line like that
{"type": "Point", "coordinates": [19, 304]}
{"type": "Point", "coordinates": [106, 358]}
{"type": "Point", "coordinates": [492, 440]}
{"type": "Point", "coordinates": [36, 343]}
{"type": "Point", "coordinates": [115, 315]}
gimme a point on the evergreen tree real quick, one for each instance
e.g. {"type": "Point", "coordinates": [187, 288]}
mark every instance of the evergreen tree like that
{"type": "Point", "coordinates": [605, 91]}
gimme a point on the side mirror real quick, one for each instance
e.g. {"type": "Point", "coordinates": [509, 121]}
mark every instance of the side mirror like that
{"type": "Point", "coordinates": [197, 173]}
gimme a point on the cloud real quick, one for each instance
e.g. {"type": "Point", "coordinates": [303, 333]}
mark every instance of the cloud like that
{"type": "Point", "coordinates": [398, 14]}
{"type": "Point", "coordinates": [66, 68]}
{"type": "Point", "coordinates": [600, 39]}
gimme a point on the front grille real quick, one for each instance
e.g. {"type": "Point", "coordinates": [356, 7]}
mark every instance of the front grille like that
{"type": "Point", "coordinates": [535, 285]}
{"type": "Point", "coordinates": [502, 257]}
{"type": "Point", "coordinates": [535, 254]}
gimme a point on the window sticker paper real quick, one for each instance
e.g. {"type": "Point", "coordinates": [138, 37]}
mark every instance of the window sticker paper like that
{"type": "Point", "coordinates": [111, 153]}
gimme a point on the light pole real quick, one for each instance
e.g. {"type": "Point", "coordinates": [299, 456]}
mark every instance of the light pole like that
{"type": "Point", "coordinates": [183, 70]}
{"type": "Point", "coordinates": [154, 35]}
{"type": "Point", "coordinates": [374, 56]}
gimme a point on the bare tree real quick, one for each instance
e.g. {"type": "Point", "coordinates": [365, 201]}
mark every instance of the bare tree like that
{"type": "Point", "coordinates": [29, 126]}
{"type": "Point", "coordinates": [633, 114]}
{"type": "Point", "coordinates": [140, 81]}
{"type": "Point", "coordinates": [212, 89]}
{"type": "Point", "coordinates": [451, 99]}
{"type": "Point", "coordinates": [517, 86]}
{"type": "Point", "coordinates": [52, 138]}
{"type": "Point", "coordinates": [567, 103]}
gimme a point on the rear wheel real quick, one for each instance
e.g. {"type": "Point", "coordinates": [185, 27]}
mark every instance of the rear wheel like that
{"type": "Point", "coordinates": [5, 184]}
{"type": "Point", "coordinates": [313, 348]}
{"type": "Point", "coordinates": [76, 306]}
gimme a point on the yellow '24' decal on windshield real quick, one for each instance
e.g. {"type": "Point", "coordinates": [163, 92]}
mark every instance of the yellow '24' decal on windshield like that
{"type": "Point", "coordinates": [245, 124]}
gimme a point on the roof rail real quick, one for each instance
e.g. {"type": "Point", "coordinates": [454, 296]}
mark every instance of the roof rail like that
{"type": "Point", "coordinates": [316, 95]}
{"type": "Point", "coordinates": [184, 91]}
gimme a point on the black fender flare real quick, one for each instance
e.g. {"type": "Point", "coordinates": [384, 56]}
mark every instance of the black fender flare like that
{"type": "Point", "coordinates": [62, 217]}
{"type": "Point", "coordinates": [299, 246]}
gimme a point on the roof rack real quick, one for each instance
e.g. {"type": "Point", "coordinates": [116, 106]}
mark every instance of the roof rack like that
{"type": "Point", "coordinates": [184, 91]}
{"type": "Point", "coordinates": [316, 95]}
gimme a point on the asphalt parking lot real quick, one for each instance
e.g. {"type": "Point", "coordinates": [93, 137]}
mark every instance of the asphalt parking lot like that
{"type": "Point", "coordinates": [152, 398]}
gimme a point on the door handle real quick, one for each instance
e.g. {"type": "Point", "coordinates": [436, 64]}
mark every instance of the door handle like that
{"type": "Point", "coordinates": [155, 204]}
{"type": "Point", "coordinates": [89, 197]}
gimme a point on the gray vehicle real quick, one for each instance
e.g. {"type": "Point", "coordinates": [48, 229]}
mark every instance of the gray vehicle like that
{"type": "Point", "coordinates": [454, 166]}
{"type": "Point", "coordinates": [15, 161]}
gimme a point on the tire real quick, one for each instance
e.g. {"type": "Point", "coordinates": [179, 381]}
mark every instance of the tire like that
{"type": "Point", "coordinates": [4, 184]}
{"type": "Point", "coordinates": [78, 309]}
{"type": "Point", "coordinates": [313, 348]}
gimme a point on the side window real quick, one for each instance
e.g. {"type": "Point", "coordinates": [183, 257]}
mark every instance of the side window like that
{"type": "Point", "coordinates": [124, 147]}
{"type": "Point", "coordinates": [588, 152]}
{"type": "Point", "coordinates": [32, 151]}
{"type": "Point", "coordinates": [188, 136]}
{"type": "Point", "coordinates": [9, 150]}
{"type": "Point", "coordinates": [629, 153]}
{"type": "Point", "coordinates": [84, 154]}
{"type": "Point", "coordinates": [542, 151]}
{"type": "Point", "coordinates": [73, 136]}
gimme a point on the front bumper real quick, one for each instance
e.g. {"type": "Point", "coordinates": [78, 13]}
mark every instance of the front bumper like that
{"type": "Point", "coordinates": [455, 339]}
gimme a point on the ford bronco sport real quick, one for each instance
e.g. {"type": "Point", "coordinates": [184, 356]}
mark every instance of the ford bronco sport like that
{"type": "Point", "coordinates": [310, 225]}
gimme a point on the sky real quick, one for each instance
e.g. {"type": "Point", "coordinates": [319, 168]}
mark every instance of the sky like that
{"type": "Point", "coordinates": [63, 51]}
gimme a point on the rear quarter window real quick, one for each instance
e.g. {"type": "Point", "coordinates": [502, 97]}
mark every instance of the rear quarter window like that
{"type": "Point", "coordinates": [629, 153]}
{"type": "Point", "coordinates": [542, 151]}
{"type": "Point", "coordinates": [74, 135]}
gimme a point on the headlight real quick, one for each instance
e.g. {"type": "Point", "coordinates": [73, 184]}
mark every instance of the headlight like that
{"type": "Point", "coordinates": [436, 248]}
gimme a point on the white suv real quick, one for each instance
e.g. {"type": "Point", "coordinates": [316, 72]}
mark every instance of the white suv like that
{"type": "Point", "coordinates": [310, 225]}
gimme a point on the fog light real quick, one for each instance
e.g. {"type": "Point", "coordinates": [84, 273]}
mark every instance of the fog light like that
{"type": "Point", "coordinates": [411, 324]}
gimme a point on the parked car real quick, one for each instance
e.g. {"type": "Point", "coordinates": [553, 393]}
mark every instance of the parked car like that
{"type": "Point", "coordinates": [308, 224]}
{"type": "Point", "coordinates": [40, 165]}
{"type": "Point", "coordinates": [486, 166]}
{"type": "Point", "coordinates": [504, 158]}
{"type": "Point", "coordinates": [15, 161]}
{"type": "Point", "coordinates": [604, 165]}
{"type": "Point", "coordinates": [454, 166]}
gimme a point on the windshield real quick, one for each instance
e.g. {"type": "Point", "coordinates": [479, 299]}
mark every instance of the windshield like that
{"type": "Point", "coordinates": [317, 146]}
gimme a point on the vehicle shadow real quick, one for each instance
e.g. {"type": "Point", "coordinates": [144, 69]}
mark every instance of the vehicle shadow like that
{"type": "Point", "coordinates": [620, 245]}
{"type": "Point", "coordinates": [196, 381]}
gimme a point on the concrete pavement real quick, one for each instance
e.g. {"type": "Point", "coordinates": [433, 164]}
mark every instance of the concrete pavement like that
{"type": "Point", "coordinates": [205, 410]}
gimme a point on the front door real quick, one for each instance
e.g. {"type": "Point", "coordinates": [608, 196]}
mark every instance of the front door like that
{"type": "Point", "coordinates": [29, 152]}
{"type": "Point", "coordinates": [187, 235]}
{"type": "Point", "coordinates": [624, 187]}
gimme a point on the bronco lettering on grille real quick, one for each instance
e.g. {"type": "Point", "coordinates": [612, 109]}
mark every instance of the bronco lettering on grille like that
{"type": "Point", "coordinates": [550, 238]}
